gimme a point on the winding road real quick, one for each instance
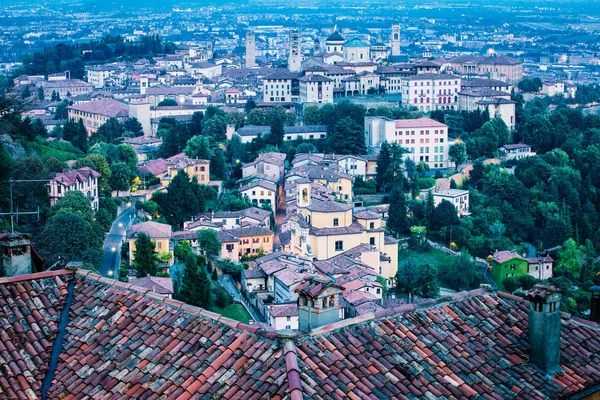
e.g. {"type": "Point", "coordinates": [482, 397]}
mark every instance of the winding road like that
{"type": "Point", "coordinates": [112, 243]}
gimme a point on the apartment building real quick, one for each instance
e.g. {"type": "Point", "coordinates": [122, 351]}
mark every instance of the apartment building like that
{"type": "Point", "coordinates": [423, 139]}
{"type": "Point", "coordinates": [95, 113]}
{"type": "Point", "coordinates": [429, 92]}
{"type": "Point", "coordinates": [84, 180]}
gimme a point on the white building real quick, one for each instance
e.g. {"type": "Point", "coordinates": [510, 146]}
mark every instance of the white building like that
{"type": "Point", "coordinates": [283, 316]}
{"type": "Point", "coordinates": [277, 87]}
{"type": "Point", "coordinates": [306, 132]}
{"type": "Point", "coordinates": [516, 151]}
{"type": "Point", "coordinates": [334, 43]}
{"type": "Point", "coordinates": [96, 75]}
{"type": "Point", "coordinates": [458, 198]}
{"type": "Point", "coordinates": [260, 192]}
{"type": "Point", "coordinates": [430, 92]}
{"type": "Point", "coordinates": [424, 139]}
{"type": "Point", "coordinates": [84, 180]}
{"type": "Point", "coordinates": [316, 89]}
{"type": "Point", "coordinates": [498, 103]}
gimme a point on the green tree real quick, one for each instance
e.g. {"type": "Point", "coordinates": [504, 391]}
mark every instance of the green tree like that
{"type": "Point", "coordinates": [64, 235]}
{"type": "Point", "coordinates": [348, 137]}
{"type": "Point", "coordinates": [195, 285]}
{"type": "Point", "coordinates": [398, 222]}
{"type": "Point", "coordinates": [216, 127]}
{"type": "Point", "coordinates": [167, 103]}
{"type": "Point", "coordinates": [430, 286]}
{"type": "Point", "coordinates": [408, 276]}
{"type": "Point", "coordinates": [384, 160]}
{"type": "Point", "coordinates": [461, 273]}
{"type": "Point", "coordinates": [209, 241]}
{"type": "Point", "coordinates": [311, 115]}
{"type": "Point", "coordinates": [250, 105]}
{"type": "Point", "coordinates": [458, 154]}
{"type": "Point", "coordinates": [120, 179]}
{"type": "Point", "coordinates": [183, 199]}
{"type": "Point", "coordinates": [527, 282]}
{"type": "Point", "coordinates": [40, 93]}
{"type": "Point", "coordinates": [108, 132]}
{"type": "Point", "coordinates": [509, 284]}
{"type": "Point", "coordinates": [81, 137]}
{"type": "Point", "coordinates": [275, 137]}
{"type": "Point", "coordinates": [133, 125]}
{"type": "Point", "coordinates": [569, 258]}
{"type": "Point", "coordinates": [182, 250]}
{"type": "Point", "coordinates": [444, 216]}
{"type": "Point", "coordinates": [145, 257]}
{"type": "Point", "coordinates": [199, 147]}
{"type": "Point", "coordinates": [218, 167]}
{"type": "Point", "coordinates": [306, 148]}
{"type": "Point", "coordinates": [62, 112]}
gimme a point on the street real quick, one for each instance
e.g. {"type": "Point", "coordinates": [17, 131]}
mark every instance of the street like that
{"type": "Point", "coordinates": [112, 243]}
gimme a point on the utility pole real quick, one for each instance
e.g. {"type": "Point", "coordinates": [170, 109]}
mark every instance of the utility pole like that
{"type": "Point", "coordinates": [12, 213]}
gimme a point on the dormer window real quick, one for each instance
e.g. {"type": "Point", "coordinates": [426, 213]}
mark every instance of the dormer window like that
{"type": "Point", "coordinates": [336, 222]}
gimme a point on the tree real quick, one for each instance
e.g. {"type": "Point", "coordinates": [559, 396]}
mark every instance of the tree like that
{"type": "Point", "coordinates": [568, 258]}
{"type": "Point", "coordinates": [222, 298]}
{"type": "Point", "coordinates": [397, 220]}
{"type": "Point", "coordinates": [108, 132]}
{"type": "Point", "coordinates": [218, 165]}
{"type": "Point", "coordinates": [121, 177]}
{"type": "Point", "coordinates": [40, 93]}
{"type": "Point", "coordinates": [195, 124]}
{"type": "Point", "coordinates": [430, 286]}
{"type": "Point", "coordinates": [199, 147]}
{"type": "Point", "coordinates": [53, 164]}
{"type": "Point", "coordinates": [66, 235]}
{"type": "Point", "coordinates": [62, 112]}
{"type": "Point", "coordinates": [182, 250]}
{"type": "Point", "coordinates": [306, 148]}
{"type": "Point", "coordinates": [133, 125]}
{"type": "Point", "coordinates": [384, 160]}
{"type": "Point", "coordinates": [461, 273]}
{"type": "Point", "coordinates": [527, 282]}
{"type": "Point", "coordinates": [183, 199]}
{"type": "Point", "coordinates": [145, 257]}
{"type": "Point", "coordinates": [509, 284]}
{"type": "Point", "coordinates": [444, 216]}
{"type": "Point", "coordinates": [209, 241]}
{"type": "Point", "coordinates": [250, 105]}
{"type": "Point", "coordinates": [311, 115]}
{"type": "Point", "coordinates": [81, 137]}
{"type": "Point", "coordinates": [167, 103]}
{"type": "Point", "coordinates": [195, 285]}
{"type": "Point", "coordinates": [348, 137]}
{"type": "Point", "coordinates": [215, 127]}
{"type": "Point", "coordinates": [562, 283]}
{"type": "Point", "coordinates": [275, 137]}
{"type": "Point", "coordinates": [408, 276]}
{"type": "Point", "coordinates": [458, 154]}
{"type": "Point", "coordinates": [497, 229]}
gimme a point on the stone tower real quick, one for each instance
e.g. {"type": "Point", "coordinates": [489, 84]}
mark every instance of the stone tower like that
{"type": "Point", "coordinates": [544, 328]}
{"type": "Point", "coordinates": [295, 57]}
{"type": "Point", "coordinates": [250, 50]}
{"type": "Point", "coordinates": [395, 40]}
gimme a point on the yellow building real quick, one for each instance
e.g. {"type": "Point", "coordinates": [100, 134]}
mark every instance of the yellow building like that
{"type": "Point", "coordinates": [95, 113]}
{"type": "Point", "coordinates": [249, 241]}
{"type": "Point", "coordinates": [326, 229]}
{"type": "Point", "coordinates": [160, 234]}
{"type": "Point", "coordinates": [167, 169]}
{"type": "Point", "coordinates": [339, 182]}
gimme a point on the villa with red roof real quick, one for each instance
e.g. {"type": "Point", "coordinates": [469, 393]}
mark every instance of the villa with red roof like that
{"type": "Point", "coordinates": [84, 180]}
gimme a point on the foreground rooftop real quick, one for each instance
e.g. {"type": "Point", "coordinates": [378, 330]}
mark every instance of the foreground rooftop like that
{"type": "Point", "coordinates": [124, 341]}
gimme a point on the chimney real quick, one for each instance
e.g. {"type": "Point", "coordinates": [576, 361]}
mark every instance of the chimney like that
{"type": "Point", "coordinates": [595, 306]}
{"type": "Point", "coordinates": [544, 328]}
{"type": "Point", "coordinates": [15, 254]}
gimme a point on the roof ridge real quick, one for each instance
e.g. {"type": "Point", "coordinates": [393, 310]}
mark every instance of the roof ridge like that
{"type": "Point", "coordinates": [388, 312]}
{"type": "Point", "coordinates": [35, 275]}
{"type": "Point", "coordinates": [163, 298]}
{"type": "Point", "coordinates": [290, 353]}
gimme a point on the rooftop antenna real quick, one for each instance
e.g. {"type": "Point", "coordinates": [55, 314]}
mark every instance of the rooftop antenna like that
{"type": "Point", "coordinates": [13, 213]}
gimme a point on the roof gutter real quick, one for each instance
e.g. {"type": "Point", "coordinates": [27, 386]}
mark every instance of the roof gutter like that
{"type": "Point", "coordinates": [57, 346]}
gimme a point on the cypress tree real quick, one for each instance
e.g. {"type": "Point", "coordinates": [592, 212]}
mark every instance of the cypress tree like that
{"type": "Point", "coordinates": [195, 285]}
{"type": "Point", "coordinates": [145, 258]}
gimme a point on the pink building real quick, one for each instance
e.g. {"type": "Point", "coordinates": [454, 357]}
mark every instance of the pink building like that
{"type": "Point", "coordinates": [84, 180]}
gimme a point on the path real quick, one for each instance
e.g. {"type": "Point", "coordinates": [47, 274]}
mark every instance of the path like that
{"type": "Point", "coordinates": [279, 214]}
{"type": "Point", "coordinates": [228, 284]}
{"type": "Point", "coordinates": [112, 243]}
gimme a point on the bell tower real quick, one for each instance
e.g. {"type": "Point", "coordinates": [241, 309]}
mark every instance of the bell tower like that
{"type": "Point", "coordinates": [395, 40]}
{"type": "Point", "coordinates": [295, 57]}
{"type": "Point", "coordinates": [303, 195]}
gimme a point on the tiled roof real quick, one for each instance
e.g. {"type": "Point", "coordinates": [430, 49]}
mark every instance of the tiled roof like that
{"type": "Point", "coordinates": [472, 83]}
{"type": "Point", "coordinates": [475, 346]}
{"type": "Point", "coordinates": [315, 78]}
{"type": "Point", "coordinates": [256, 273]}
{"type": "Point", "coordinates": [482, 92]}
{"type": "Point", "coordinates": [423, 122]}
{"type": "Point", "coordinates": [155, 284]}
{"type": "Point", "coordinates": [107, 107]}
{"type": "Point", "coordinates": [233, 235]}
{"type": "Point", "coordinates": [353, 229]}
{"type": "Point", "coordinates": [305, 129]}
{"type": "Point", "coordinates": [122, 342]}
{"type": "Point", "coordinates": [150, 228]}
{"type": "Point", "coordinates": [502, 256]}
{"type": "Point", "coordinates": [69, 176]}
{"type": "Point", "coordinates": [29, 316]}
{"type": "Point", "coordinates": [283, 310]}
{"type": "Point", "coordinates": [259, 183]}
{"type": "Point", "coordinates": [328, 206]}
{"type": "Point", "coordinates": [435, 77]}
{"type": "Point", "coordinates": [253, 130]}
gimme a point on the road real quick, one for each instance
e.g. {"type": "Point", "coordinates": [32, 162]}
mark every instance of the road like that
{"type": "Point", "coordinates": [112, 243]}
{"type": "Point", "coordinates": [229, 285]}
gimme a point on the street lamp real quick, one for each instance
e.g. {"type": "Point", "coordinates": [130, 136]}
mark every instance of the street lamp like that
{"type": "Point", "coordinates": [120, 224]}
{"type": "Point", "coordinates": [110, 273]}
{"type": "Point", "coordinates": [113, 249]}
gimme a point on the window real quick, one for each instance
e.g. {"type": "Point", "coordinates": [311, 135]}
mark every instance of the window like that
{"type": "Point", "coordinates": [336, 222]}
{"type": "Point", "coordinates": [266, 240]}
{"type": "Point", "coordinates": [372, 225]}
{"type": "Point", "coordinates": [372, 241]}
{"type": "Point", "coordinates": [229, 247]}
{"type": "Point", "coordinates": [288, 327]}
{"type": "Point", "coordinates": [159, 245]}
{"type": "Point", "coordinates": [255, 240]}
{"type": "Point", "coordinates": [339, 245]}
{"type": "Point", "coordinates": [288, 318]}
